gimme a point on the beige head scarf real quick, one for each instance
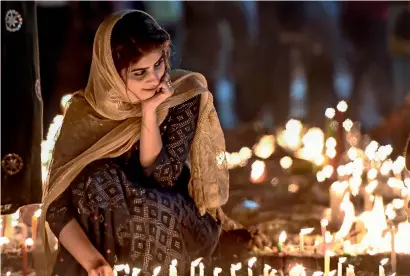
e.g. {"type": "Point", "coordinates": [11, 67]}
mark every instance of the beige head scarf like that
{"type": "Point", "coordinates": [95, 127]}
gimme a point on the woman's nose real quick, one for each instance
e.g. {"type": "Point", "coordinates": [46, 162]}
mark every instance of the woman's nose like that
{"type": "Point", "coordinates": [154, 77]}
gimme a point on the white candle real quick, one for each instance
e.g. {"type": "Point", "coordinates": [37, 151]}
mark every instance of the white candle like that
{"type": "Point", "coordinates": [194, 264]}
{"type": "Point", "coordinates": [234, 268]}
{"type": "Point", "coordinates": [172, 268]}
{"type": "Point", "coordinates": [201, 269]}
{"type": "Point", "coordinates": [393, 249]}
{"type": "Point", "coordinates": [340, 266]}
{"type": "Point", "coordinates": [350, 271]}
{"type": "Point", "coordinates": [250, 264]}
{"type": "Point", "coordinates": [381, 267]}
{"type": "Point", "coordinates": [297, 270]}
{"type": "Point", "coordinates": [266, 269]}
{"type": "Point", "coordinates": [323, 225]}
{"type": "Point", "coordinates": [327, 263]}
{"type": "Point", "coordinates": [302, 233]}
{"type": "Point", "coordinates": [135, 271]}
{"type": "Point", "coordinates": [127, 269]}
{"type": "Point", "coordinates": [217, 270]}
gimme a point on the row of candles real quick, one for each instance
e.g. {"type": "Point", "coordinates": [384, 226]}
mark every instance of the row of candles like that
{"type": "Point", "coordinates": [296, 270]}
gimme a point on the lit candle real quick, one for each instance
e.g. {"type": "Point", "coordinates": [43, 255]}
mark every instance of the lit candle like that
{"type": "Point", "coordinates": [273, 272]}
{"type": "Point", "coordinates": [350, 270]}
{"type": "Point", "coordinates": [323, 225]}
{"type": "Point", "coordinates": [156, 271]}
{"type": "Point", "coordinates": [24, 258]}
{"type": "Point", "coordinates": [337, 192]}
{"type": "Point", "coordinates": [34, 220]}
{"type": "Point", "coordinates": [282, 239]}
{"type": "Point", "coordinates": [135, 271]}
{"type": "Point", "coordinates": [201, 269]}
{"type": "Point", "coordinates": [330, 114]}
{"type": "Point", "coordinates": [235, 268]}
{"type": "Point", "coordinates": [327, 263]}
{"type": "Point", "coordinates": [250, 264]}
{"type": "Point", "coordinates": [297, 270]}
{"type": "Point", "coordinates": [393, 249]}
{"type": "Point", "coordinates": [381, 267]}
{"type": "Point", "coordinates": [8, 226]}
{"type": "Point", "coordinates": [127, 269]}
{"type": "Point", "coordinates": [340, 266]}
{"type": "Point", "coordinates": [217, 270]}
{"type": "Point", "coordinates": [172, 268]}
{"type": "Point", "coordinates": [266, 269]}
{"type": "Point", "coordinates": [194, 264]}
{"type": "Point", "coordinates": [302, 233]}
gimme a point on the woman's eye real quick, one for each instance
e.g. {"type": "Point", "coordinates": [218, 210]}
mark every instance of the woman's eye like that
{"type": "Point", "coordinates": [158, 63]}
{"type": "Point", "coordinates": [139, 73]}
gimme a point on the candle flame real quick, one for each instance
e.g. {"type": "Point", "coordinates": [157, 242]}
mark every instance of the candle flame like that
{"type": "Point", "coordinates": [330, 113]}
{"type": "Point", "coordinates": [174, 262]}
{"type": "Point", "coordinates": [298, 270]}
{"type": "Point", "coordinates": [282, 237]}
{"type": "Point", "coordinates": [4, 240]}
{"type": "Point", "coordinates": [251, 262]}
{"type": "Point", "coordinates": [156, 271]}
{"type": "Point", "coordinates": [306, 231]}
{"type": "Point", "coordinates": [342, 260]}
{"type": "Point", "coordinates": [384, 261]}
{"type": "Point", "coordinates": [237, 266]}
{"type": "Point", "coordinates": [217, 270]}
{"type": "Point", "coordinates": [29, 242]}
{"type": "Point", "coordinates": [324, 222]}
{"type": "Point", "coordinates": [37, 213]}
{"type": "Point", "coordinates": [258, 171]}
{"type": "Point", "coordinates": [286, 162]}
{"type": "Point", "coordinates": [266, 147]}
{"type": "Point", "coordinates": [196, 262]}
{"type": "Point", "coordinates": [342, 106]}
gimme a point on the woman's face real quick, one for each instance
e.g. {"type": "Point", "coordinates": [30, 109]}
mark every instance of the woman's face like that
{"type": "Point", "coordinates": [143, 77]}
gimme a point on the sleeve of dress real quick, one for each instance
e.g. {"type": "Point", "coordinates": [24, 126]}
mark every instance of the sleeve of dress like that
{"type": "Point", "coordinates": [60, 212]}
{"type": "Point", "coordinates": [177, 141]}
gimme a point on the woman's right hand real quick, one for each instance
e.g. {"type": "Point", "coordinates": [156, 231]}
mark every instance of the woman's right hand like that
{"type": "Point", "coordinates": [101, 269]}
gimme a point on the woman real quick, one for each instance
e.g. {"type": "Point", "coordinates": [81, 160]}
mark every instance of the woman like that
{"type": "Point", "coordinates": [139, 172]}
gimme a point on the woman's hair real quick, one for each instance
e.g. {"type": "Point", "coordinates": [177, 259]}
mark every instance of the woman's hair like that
{"type": "Point", "coordinates": [135, 35]}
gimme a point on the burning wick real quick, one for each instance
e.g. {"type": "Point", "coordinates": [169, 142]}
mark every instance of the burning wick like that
{"type": "Point", "coordinates": [250, 264]}
{"type": "Point", "coordinates": [297, 270]}
{"type": "Point", "coordinates": [302, 233]}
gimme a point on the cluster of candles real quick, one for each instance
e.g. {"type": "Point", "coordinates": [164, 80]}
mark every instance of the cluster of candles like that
{"type": "Point", "coordinates": [198, 268]}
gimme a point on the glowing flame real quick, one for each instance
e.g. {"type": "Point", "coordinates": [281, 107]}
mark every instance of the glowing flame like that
{"type": "Point", "coordinates": [286, 162]}
{"type": "Point", "coordinates": [156, 271]}
{"type": "Point", "coordinates": [258, 171]}
{"type": "Point", "coordinates": [37, 213]}
{"type": "Point", "coordinates": [196, 262]}
{"type": "Point", "coordinates": [306, 231]}
{"type": "Point", "coordinates": [283, 236]}
{"type": "Point", "coordinates": [266, 147]}
{"type": "Point", "coordinates": [342, 106]}
{"type": "Point", "coordinates": [29, 242]}
{"type": "Point", "coordinates": [298, 270]}
{"type": "Point", "coordinates": [348, 208]}
{"type": "Point", "coordinates": [330, 113]}
{"type": "Point", "coordinates": [251, 262]}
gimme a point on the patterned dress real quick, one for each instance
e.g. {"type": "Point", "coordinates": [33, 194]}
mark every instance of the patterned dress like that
{"type": "Point", "coordinates": [143, 217]}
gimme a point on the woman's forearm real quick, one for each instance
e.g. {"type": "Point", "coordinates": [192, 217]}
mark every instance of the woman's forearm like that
{"type": "Point", "coordinates": [150, 140]}
{"type": "Point", "coordinates": [73, 238]}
